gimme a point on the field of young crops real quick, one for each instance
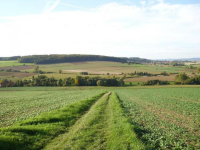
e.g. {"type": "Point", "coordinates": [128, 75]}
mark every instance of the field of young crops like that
{"type": "Point", "coordinates": [164, 118]}
{"type": "Point", "coordinates": [21, 103]}
{"type": "Point", "coordinates": [90, 118]}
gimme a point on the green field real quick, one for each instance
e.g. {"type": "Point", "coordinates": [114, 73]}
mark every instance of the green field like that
{"type": "Point", "coordinates": [165, 118]}
{"type": "Point", "coordinates": [124, 118]}
{"type": "Point", "coordinates": [12, 63]}
{"type": "Point", "coordinates": [17, 105]}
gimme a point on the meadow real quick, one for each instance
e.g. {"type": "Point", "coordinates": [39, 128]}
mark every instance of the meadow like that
{"type": "Point", "coordinates": [154, 117]}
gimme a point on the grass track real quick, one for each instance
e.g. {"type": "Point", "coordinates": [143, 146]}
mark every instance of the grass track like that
{"type": "Point", "coordinates": [103, 127]}
{"type": "Point", "coordinates": [34, 133]}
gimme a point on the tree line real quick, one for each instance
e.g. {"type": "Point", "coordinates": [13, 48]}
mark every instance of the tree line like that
{"type": "Point", "coordinates": [42, 80]}
{"type": "Point", "coordinates": [183, 78]}
{"type": "Point", "coordinates": [155, 82]}
{"type": "Point", "coordinates": [9, 58]}
{"type": "Point", "coordinates": [50, 59]}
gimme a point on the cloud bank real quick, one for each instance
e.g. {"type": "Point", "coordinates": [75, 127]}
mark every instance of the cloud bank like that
{"type": "Point", "coordinates": [153, 30]}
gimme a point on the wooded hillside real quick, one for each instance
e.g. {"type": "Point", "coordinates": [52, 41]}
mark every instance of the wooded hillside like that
{"type": "Point", "coordinates": [50, 59]}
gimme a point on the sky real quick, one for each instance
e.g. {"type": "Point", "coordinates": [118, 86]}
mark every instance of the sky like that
{"type": "Point", "coordinates": [153, 29]}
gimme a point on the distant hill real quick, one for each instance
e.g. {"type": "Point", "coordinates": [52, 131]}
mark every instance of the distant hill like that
{"type": "Point", "coordinates": [137, 59]}
{"type": "Point", "coordinates": [50, 59]}
{"type": "Point", "coordinates": [9, 58]}
{"type": "Point", "coordinates": [181, 59]}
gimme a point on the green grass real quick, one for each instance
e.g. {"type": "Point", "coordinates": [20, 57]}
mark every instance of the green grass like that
{"type": "Point", "coordinates": [121, 133]}
{"type": "Point", "coordinates": [34, 133]}
{"type": "Point", "coordinates": [133, 83]}
{"type": "Point", "coordinates": [12, 63]}
{"type": "Point", "coordinates": [21, 103]}
{"type": "Point", "coordinates": [104, 127]}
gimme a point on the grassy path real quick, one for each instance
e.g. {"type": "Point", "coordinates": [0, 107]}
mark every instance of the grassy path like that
{"type": "Point", "coordinates": [104, 126]}
{"type": "Point", "coordinates": [35, 133]}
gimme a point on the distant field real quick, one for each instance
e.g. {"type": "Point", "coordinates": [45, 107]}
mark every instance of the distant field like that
{"type": "Point", "coordinates": [96, 68]}
{"type": "Point", "coordinates": [13, 76]}
{"type": "Point", "coordinates": [108, 67]}
{"type": "Point", "coordinates": [15, 65]}
{"type": "Point", "coordinates": [12, 64]}
{"type": "Point", "coordinates": [24, 67]}
{"type": "Point", "coordinates": [143, 79]}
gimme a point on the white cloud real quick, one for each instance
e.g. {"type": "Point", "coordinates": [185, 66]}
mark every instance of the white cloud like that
{"type": "Point", "coordinates": [50, 7]}
{"type": "Point", "coordinates": [156, 31]}
{"type": "Point", "coordinates": [143, 2]}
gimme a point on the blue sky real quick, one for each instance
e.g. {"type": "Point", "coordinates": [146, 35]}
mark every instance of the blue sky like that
{"type": "Point", "coordinates": [144, 28]}
{"type": "Point", "coordinates": [27, 7]}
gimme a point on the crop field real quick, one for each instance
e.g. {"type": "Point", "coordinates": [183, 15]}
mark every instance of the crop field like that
{"type": "Point", "coordinates": [16, 104]}
{"type": "Point", "coordinates": [164, 118]}
{"type": "Point", "coordinates": [109, 118]}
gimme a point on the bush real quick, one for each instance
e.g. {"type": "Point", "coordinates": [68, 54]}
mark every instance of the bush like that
{"type": "Point", "coordinates": [155, 82]}
{"type": "Point", "coordinates": [84, 73]}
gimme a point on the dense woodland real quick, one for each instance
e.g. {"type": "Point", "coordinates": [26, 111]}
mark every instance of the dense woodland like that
{"type": "Point", "coordinates": [50, 59]}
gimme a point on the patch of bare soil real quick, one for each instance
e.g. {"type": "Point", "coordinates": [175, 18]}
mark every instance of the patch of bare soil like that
{"type": "Point", "coordinates": [93, 72]}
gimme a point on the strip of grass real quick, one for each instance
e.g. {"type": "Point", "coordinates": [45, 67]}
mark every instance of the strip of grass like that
{"type": "Point", "coordinates": [120, 132]}
{"type": "Point", "coordinates": [88, 132]}
{"type": "Point", "coordinates": [103, 127]}
{"type": "Point", "coordinates": [34, 133]}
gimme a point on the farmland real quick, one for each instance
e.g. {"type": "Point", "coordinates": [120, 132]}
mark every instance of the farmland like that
{"type": "Point", "coordinates": [143, 117]}
{"type": "Point", "coordinates": [103, 69]}
{"type": "Point", "coordinates": [123, 117]}
{"type": "Point", "coordinates": [165, 118]}
{"type": "Point", "coordinates": [17, 105]}
{"type": "Point", "coordinates": [13, 63]}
